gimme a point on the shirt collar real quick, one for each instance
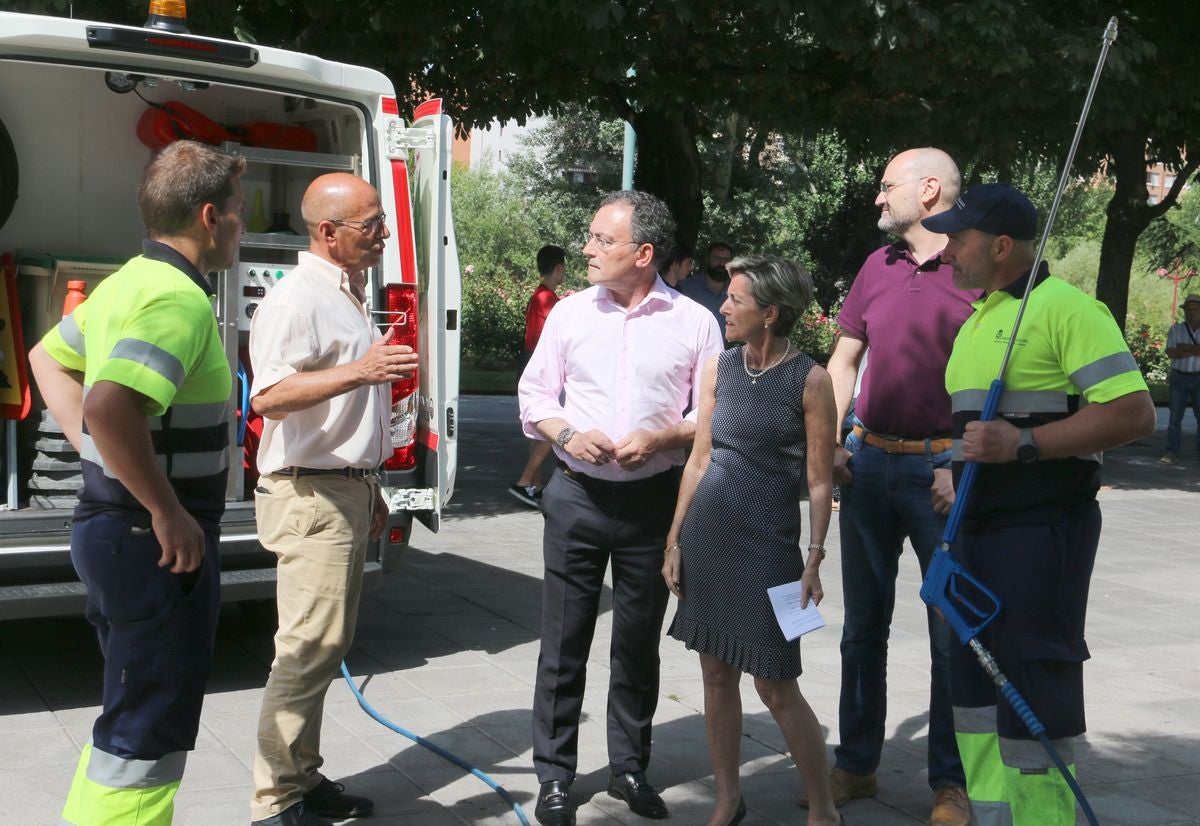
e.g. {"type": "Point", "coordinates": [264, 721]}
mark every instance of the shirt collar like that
{"type": "Point", "coordinates": [899, 249]}
{"type": "Point", "coordinates": [158, 251]}
{"type": "Point", "coordinates": [659, 292]}
{"type": "Point", "coordinates": [328, 270]}
{"type": "Point", "coordinates": [1017, 288]}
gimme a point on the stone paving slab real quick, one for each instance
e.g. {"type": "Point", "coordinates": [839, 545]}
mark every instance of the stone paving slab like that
{"type": "Point", "coordinates": [447, 647]}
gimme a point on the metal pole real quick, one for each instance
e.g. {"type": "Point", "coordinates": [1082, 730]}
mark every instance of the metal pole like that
{"type": "Point", "coordinates": [630, 148]}
{"type": "Point", "coordinates": [1110, 34]}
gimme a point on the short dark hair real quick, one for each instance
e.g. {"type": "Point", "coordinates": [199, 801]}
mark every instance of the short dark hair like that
{"type": "Point", "coordinates": [777, 281]}
{"type": "Point", "coordinates": [651, 222]}
{"type": "Point", "coordinates": [717, 245]}
{"type": "Point", "coordinates": [549, 257]}
{"type": "Point", "coordinates": [683, 251]}
{"type": "Point", "coordinates": [180, 180]}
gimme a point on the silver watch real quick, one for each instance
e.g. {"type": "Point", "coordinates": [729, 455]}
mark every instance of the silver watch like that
{"type": "Point", "coordinates": [564, 436]}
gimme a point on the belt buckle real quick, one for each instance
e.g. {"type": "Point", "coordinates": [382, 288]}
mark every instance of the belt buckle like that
{"type": "Point", "coordinates": [892, 446]}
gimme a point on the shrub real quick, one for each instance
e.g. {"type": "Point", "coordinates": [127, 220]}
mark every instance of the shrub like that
{"type": "Point", "coordinates": [1149, 350]}
{"type": "Point", "coordinates": [816, 332]}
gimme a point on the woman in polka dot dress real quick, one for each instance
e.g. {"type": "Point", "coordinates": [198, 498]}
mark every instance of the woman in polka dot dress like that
{"type": "Point", "coordinates": [764, 408]}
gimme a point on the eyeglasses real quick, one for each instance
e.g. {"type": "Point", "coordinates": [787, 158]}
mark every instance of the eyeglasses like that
{"type": "Point", "coordinates": [603, 244]}
{"type": "Point", "coordinates": [371, 226]}
{"type": "Point", "coordinates": [886, 187]}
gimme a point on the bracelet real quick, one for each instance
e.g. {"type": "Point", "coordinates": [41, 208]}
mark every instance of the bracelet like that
{"type": "Point", "coordinates": [565, 435]}
{"type": "Point", "coordinates": [674, 546]}
{"type": "Point", "coordinates": [813, 547]}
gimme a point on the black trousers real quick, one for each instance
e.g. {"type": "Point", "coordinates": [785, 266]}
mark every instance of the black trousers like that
{"type": "Point", "coordinates": [587, 523]}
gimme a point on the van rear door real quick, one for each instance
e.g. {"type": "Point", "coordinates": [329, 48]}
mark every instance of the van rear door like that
{"type": "Point", "coordinates": [427, 146]}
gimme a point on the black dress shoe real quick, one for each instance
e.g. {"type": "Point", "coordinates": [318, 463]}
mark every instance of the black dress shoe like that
{"type": "Point", "coordinates": [329, 799]}
{"type": "Point", "coordinates": [554, 804]}
{"type": "Point", "coordinates": [640, 795]}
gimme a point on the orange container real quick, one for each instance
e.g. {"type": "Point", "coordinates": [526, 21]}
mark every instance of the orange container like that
{"type": "Point", "coordinates": [76, 295]}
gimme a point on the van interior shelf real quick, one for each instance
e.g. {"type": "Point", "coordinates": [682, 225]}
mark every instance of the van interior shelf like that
{"type": "Point", "coordinates": [275, 241]}
{"type": "Point", "coordinates": [288, 157]}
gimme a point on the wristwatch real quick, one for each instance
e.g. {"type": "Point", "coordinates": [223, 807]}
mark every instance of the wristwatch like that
{"type": "Point", "coordinates": [564, 436]}
{"type": "Point", "coordinates": [1027, 449]}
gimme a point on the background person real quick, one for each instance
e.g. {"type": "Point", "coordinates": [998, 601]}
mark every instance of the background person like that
{"type": "Point", "coordinates": [1032, 526]}
{"type": "Point", "coordinates": [142, 355]}
{"type": "Point", "coordinates": [766, 423]}
{"type": "Point", "coordinates": [894, 468]}
{"type": "Point", "coordinates": [1183, 346]}
{"type": "Point", "coordinates": [321, 383]}
{"type": "Point", "coordinates": [678, 265]}
{"type": "Point", "coordinates": [608, 384]}
{"type": "Point", "coordinates": [708, 288]}
{"type": "Point", "coordinates": [552, 269]}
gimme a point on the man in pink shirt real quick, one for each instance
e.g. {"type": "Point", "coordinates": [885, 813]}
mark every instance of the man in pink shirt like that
{"type": "Point", "coordinates": [608, 384]}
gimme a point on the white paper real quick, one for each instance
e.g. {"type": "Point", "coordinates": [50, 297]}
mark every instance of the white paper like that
{"type": "Point", "coordinates": [794, 621]}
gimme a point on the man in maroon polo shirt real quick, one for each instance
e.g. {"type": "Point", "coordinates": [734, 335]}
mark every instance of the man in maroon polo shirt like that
{"type": "Point", "coordinates": [894, 469]}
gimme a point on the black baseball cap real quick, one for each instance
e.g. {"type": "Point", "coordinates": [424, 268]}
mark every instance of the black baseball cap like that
{"type": "Point", "coordinates": [997, 209]}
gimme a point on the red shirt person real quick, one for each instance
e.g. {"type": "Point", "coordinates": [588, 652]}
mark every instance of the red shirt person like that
{"type": "Point", "coordinates": [552, 268]}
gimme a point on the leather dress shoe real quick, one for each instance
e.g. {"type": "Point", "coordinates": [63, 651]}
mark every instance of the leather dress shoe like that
{"type": "Point", "coordinates": [638, 794]}
{"type": "Point", "coordinates": [554, 804]}
{"type": "Point", "coordinates": [329, 799]}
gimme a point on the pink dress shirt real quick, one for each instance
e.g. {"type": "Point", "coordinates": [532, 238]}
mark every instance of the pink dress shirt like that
{"type": "Point", "coordinates": [601, 367]}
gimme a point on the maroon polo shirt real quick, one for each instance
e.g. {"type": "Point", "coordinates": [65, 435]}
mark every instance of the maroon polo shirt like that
{"type": "Point", "coordinates": [908, 314]}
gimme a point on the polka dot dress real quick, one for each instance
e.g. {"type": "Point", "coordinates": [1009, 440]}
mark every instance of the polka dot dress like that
{"type": "Point", "coordinates": [741, 534]}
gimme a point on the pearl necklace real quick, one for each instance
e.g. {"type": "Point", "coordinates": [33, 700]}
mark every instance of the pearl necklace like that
{"type": "Point", "coordinates": [753, 374]}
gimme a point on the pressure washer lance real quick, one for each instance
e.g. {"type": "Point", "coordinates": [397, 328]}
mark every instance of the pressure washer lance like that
{"type": "Point", "coordinates": [941, 587]}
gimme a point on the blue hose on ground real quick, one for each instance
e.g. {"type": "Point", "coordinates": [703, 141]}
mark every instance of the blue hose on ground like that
{"type": "Point", "coordinates": [433, 747]}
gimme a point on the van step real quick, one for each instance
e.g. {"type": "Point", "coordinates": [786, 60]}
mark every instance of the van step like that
{"type": "Point", "coordinates": [37, 500]}
{"type": "Point", "coordinates": [70, 483]}
{"type": "Point", "coordinates": [44, 462]}
{"type": "Point", "coordinates": [48, 445]}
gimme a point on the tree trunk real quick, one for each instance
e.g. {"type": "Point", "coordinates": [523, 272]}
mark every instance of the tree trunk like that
{"type": "Point", "coordinates": [1128, 215]}
{"type": "Point", "coordinates": [668, 166]}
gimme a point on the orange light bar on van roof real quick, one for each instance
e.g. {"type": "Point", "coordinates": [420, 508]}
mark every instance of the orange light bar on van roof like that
{"type": "Point", "coordinates": [169, 8]}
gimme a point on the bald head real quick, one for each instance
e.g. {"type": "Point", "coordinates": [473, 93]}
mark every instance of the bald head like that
{"type": "Point", "coordinates": [345, 221]}
{"type": "Point", "coordinates": [338, 196]}
{"type": "Point", "coordinates": [928, 162]}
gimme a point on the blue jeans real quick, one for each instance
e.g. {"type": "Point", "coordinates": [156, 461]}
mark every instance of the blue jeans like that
{"type": "Point", "coordinates": [887, 501]}
{"type": "Point", "coordinates": [1185, 392]}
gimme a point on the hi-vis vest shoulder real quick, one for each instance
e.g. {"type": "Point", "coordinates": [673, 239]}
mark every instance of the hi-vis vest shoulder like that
{"type": "Point", "coordinates": [1068, 348]}
{"type": "Point", "coordinates": [150, 327]}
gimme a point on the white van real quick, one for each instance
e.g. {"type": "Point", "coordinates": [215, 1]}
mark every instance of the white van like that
{"type": "Point", "coordinates": [81, 103]}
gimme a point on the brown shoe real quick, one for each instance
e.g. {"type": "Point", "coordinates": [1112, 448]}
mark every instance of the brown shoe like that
{"type": "Point", "coordinates": [951, 807]}
{"type": "Point", "coordinates": [846, 787]}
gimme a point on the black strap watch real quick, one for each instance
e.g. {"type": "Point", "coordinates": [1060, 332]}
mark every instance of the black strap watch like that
{"type": "Point", "coordinates": [1027, 449]}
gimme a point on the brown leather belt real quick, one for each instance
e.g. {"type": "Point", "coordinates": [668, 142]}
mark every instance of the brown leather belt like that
{"type": "Point", "coordinates": [894, 444]}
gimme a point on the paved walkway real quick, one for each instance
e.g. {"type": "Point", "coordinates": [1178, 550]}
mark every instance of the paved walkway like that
{"type": "Point", "coordinates": [447, 646]}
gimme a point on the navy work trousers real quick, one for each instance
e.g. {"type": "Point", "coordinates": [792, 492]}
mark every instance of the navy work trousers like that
{"type": "Point", "coordinates": [156, 632]}
{"type": "Point", "coordinates": [1039, 565]}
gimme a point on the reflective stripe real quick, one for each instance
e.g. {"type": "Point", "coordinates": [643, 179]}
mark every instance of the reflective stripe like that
{"type": "Point", "coordinates": [71, 335]}
{"type": "Point", "coordinates": [199, 415]}
{"type": "Point", "coordinates": [1105, 368]}
{"type": "Point", "coordinates": [120, 773]}
{"type": "Point", "coordinates": [991, 813]}
{"type": "Point", "coordinates": [1031, 754]}
{"type": "Point", "coordinates": [156, 358]}
{"type": "Point", "coordinates": [195, 465]}
{"type": "Point", "coordinates": [183, 465]}
{"type": "Point", "coordinates": [981, 720]}
{"type": "Point", "coordinates": [1013, 401]}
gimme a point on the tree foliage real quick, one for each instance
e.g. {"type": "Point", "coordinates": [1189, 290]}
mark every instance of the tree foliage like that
{"type": "Point", "coordinates": [991, 81]}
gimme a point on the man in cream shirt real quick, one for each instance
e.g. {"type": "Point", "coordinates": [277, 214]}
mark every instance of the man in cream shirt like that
{"type": "Point", "coordinates": [321, 382]}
